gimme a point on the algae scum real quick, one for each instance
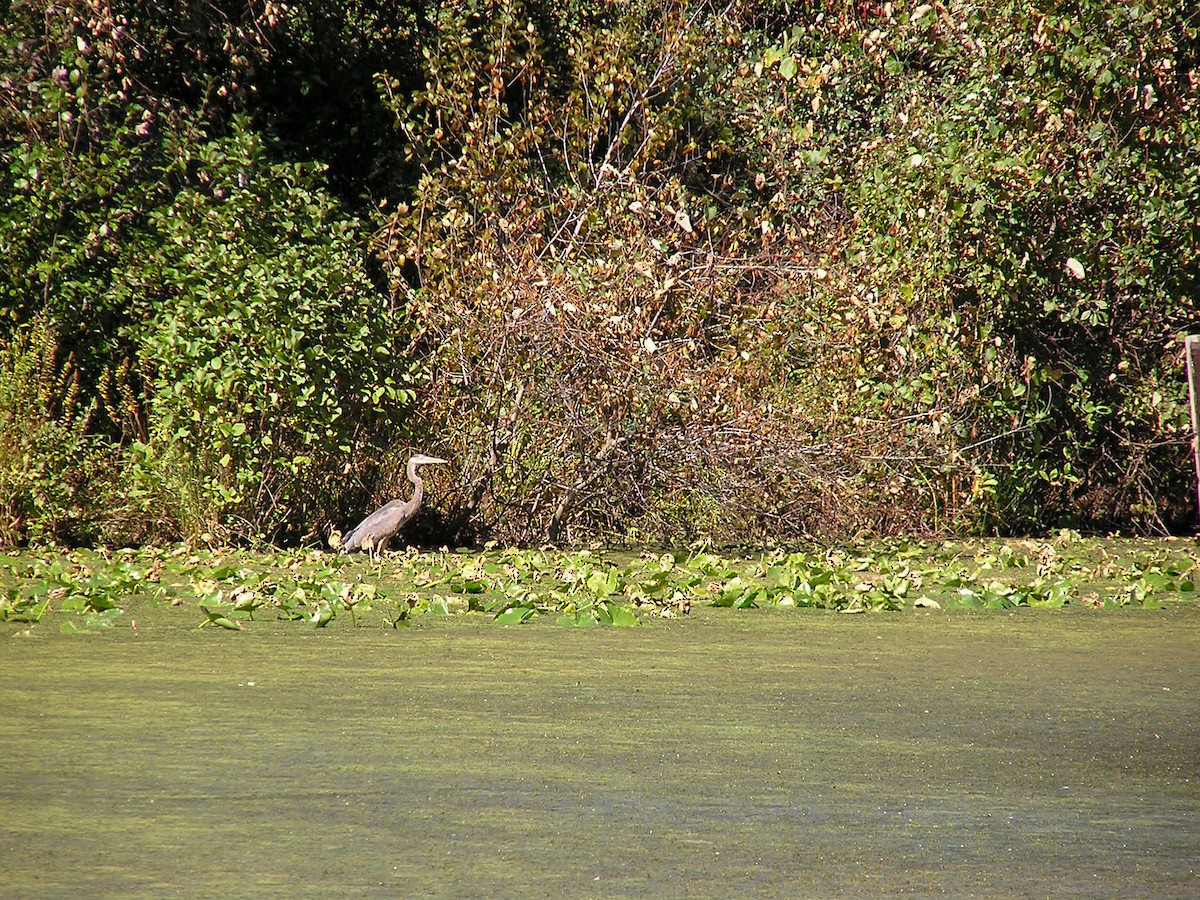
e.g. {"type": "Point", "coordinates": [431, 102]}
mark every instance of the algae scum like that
{"type": "Point", "coordinates": [724, 752]}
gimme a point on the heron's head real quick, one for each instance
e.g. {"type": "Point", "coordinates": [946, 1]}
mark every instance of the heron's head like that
{"type": "Point", "coordinates": [418, 459]}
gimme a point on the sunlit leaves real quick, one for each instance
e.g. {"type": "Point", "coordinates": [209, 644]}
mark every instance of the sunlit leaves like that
{"type": "Point", "coordinates": [680, 269]}
{"type": "Point", "coordinates": [52, 471]}
{"type": "Point", "coordinates": [215, 616]}
{"type": "Point", "coordinates": [573, 269]}
{"type": "Point", "coordinates": [203, 281]}
{"type": "Point", "coordinates": [514, 615]}
{"type": "Point", "coordinates": [86, 592]}
{"type": "Point", "coordinates": [982, 205]}
{"type": "Point", "coordinates": [310, 324]}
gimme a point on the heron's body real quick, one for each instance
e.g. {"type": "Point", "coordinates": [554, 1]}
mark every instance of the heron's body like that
{"type": "Point", "coordinates": [376, 529]}
{"type": "Point", "coordinates": [374, 532]}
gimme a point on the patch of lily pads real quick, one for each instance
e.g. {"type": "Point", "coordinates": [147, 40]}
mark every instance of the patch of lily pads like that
{"type": "Point", "coordinates": [88, 591]}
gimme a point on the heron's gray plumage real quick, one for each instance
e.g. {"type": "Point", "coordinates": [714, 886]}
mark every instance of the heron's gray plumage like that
{"type": "Point", "coordinates": [377, 529]}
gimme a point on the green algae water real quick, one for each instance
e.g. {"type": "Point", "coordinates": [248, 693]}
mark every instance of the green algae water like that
{"type": "Point", "coordinates": [776, 754]}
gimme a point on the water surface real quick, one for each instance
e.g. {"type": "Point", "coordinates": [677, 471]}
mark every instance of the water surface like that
{"type": "Point", "coordinates": [734, 753]}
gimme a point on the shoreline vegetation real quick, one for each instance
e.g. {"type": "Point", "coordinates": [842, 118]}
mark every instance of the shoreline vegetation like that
{"type": "Point", "coordinates": [90, 591]}
{"type": "Point", "coordinates": [646, 273]}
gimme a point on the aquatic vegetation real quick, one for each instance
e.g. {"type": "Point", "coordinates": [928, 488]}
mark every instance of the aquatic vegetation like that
{"type": "Point", "coordinates": [88, 590]}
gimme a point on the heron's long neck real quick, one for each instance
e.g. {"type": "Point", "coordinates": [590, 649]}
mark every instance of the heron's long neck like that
{"type": "Point", "coordinates": [418, 484]}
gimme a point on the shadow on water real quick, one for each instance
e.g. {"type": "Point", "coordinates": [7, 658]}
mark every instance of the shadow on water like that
{"type": "Point", "coordinates": [1033, 753]}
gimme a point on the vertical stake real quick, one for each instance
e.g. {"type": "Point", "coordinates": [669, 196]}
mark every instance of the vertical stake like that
{"type": "Point", "coordinates": [1192, 346]}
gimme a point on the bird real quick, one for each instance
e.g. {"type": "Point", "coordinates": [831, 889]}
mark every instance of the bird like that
{"type": "Point", "coordinates": [373, 532]}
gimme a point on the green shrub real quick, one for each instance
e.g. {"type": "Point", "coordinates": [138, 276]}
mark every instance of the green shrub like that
{"type": "Point", "coordinates": [270, 361]}
{"type": "Point", "coordinates": [743, 269]}
{"type": "Point", "coordinates": [1005, 220]}
{"type": "Point", "coordinates": [222, 292]}
{"type": "Point", "coordinates": [51, 473]}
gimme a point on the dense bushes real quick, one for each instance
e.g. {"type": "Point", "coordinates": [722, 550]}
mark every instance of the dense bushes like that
{"type": "Point", "coordinates": [49, 465]}
{"type": "Point", "coordinates": [1026, 210]}
{"type": "Point", "coordinates": [917, 267]}
{"type": "Point", "coordinates": [580, 334]}
{"type": "Point", "coordinates": [239, 362]}
{"type": "Point", "coordinates": [267, 353]}
{"type": "Point", "coordinates": [669, 270]}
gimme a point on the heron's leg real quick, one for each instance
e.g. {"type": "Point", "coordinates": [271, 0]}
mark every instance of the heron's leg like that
{"type": "Point", "coordinates": [383, 543]}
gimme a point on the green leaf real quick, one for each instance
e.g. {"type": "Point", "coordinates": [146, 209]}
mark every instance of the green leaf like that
{"type": "Point", "coordinates": [321, 616]}
{"type": "Point", "coordinates": [622, 616]}
{"type": "Point", "coordinates": [578, 620]}
{"type": "Point", "coordinates": [514, 615]}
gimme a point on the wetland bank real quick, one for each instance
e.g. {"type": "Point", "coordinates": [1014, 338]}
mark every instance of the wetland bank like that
{"type": "Point", "coordinates": [693, 273]}
{"type": "Point", "coordinates": [727, 752]}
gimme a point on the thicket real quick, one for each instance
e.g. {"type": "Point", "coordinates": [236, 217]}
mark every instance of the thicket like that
{"type": "Point", "coordinates": [244, 372]}
{"type": "Point", "coordinates": [645, 270]}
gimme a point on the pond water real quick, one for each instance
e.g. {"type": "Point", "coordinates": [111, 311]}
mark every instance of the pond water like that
{"type": "Point", "coordinates": [766, 753]}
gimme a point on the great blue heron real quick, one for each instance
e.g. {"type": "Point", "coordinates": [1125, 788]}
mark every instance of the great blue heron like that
{"type": "Point", "coordinates": [373, 532]}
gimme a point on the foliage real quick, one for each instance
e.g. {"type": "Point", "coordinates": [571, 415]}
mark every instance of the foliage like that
{"type": "Point", "coordinates": [86, 590]}
{"type": "Point", "coordinates": [91, 126]}
{"type": "Point", "coordinates": [810, 270]}
{"type": "Point", "coordinates": [215, 300]}
{"type": "Point", "coordinates": [268, 356]}
{"type": "Point", "coordinates": [51, 472]}
{"type": "Point", "coordinates": [91, 586]}
{"type": "Point", "coordinates": [1015, 247]}
{"type": "Point", "coordinates": [673, 270]}
{"type": "Point", "coordinates": [589, 348]}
